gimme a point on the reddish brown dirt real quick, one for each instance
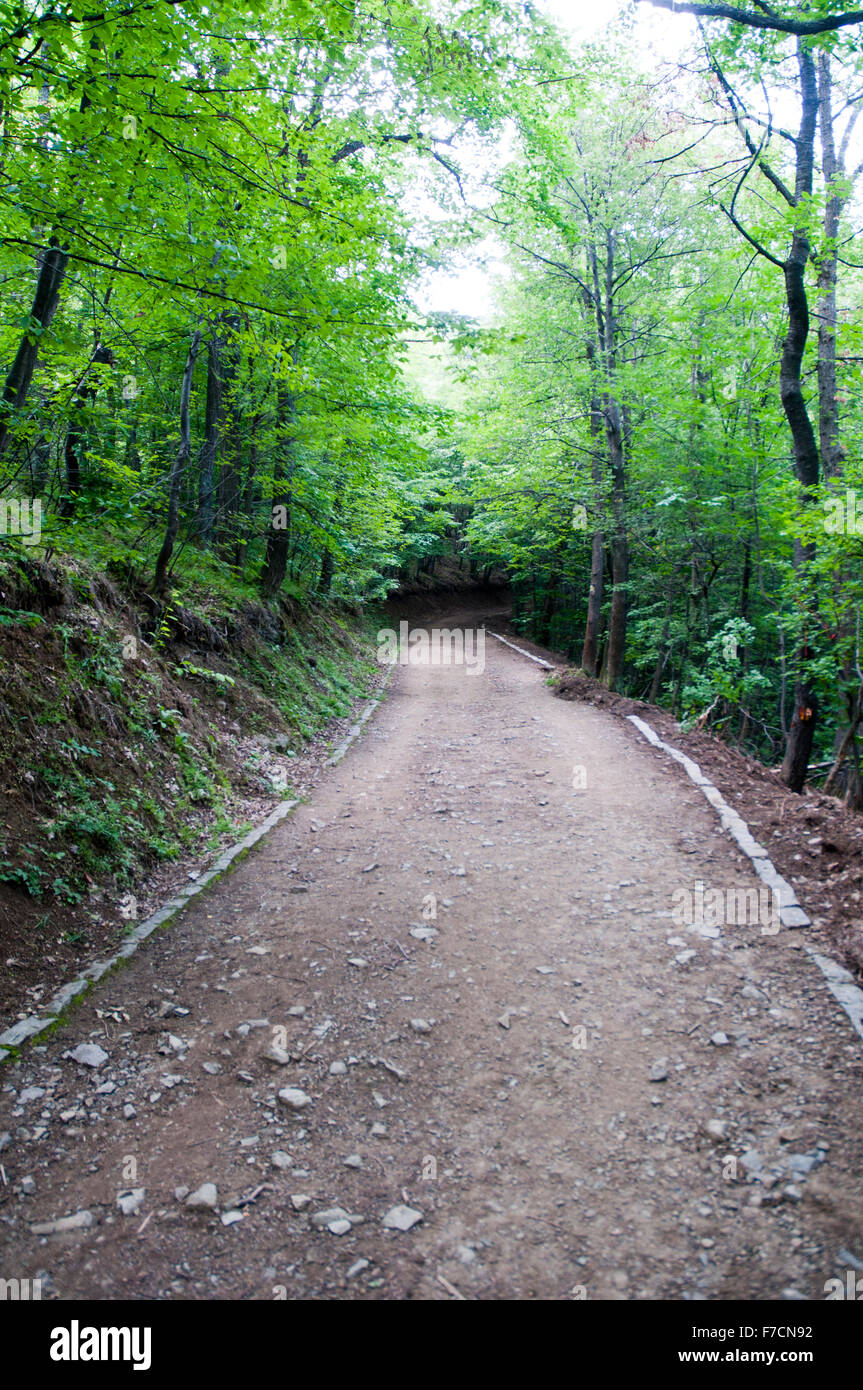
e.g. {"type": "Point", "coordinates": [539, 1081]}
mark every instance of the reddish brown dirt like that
{"type": "Point", "coordinates": [524, 1124]}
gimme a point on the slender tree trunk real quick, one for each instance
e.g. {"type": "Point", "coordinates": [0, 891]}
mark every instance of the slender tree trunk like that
{"type": "Point", "coordinates": [230, 484]}
{"type": "Point", "coordinates": [181, 461]}
{"type": "Point", "coordinates": [328, 560]}
{"type": "Point", "coordinates": [210, 447]}
{"type": "Point", "coordinates": [230, 446]}
{"type": "Point", "coordinates": [279, 535]}
{"type": "Point", "coordinates": [746, 580]}
{"type": "Point", "coordinates": [328, 565]}
{"type": "Point", "coordinates": [614, 437]}
{"type": "Point", "coordinates": [546, 615]}
{"type": "Point", "coordinates": [39, 462]}
{"type": "Point", "coordinates": [664, 651]}
{"type": "Point", "coordinates": [619, 548]}
{"type": "Point", "coordinates": [806, 460]}
{"type": "Point", "coordinates": [604, 305]}
{"type": "Point", "coordinates": [49, 282]}
{"type": "Point", "coordinates": [75, 433]}
{"type": "Point", "coordinates": [832, 168]}
{"type": "Point", "coordinates": [131, 457]}
{"type": "Point", "coordinates": [248, 496]}
{"type": "Point", "coordinates": [590, 650]}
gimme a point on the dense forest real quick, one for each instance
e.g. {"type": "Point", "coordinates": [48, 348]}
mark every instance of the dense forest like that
{"type": "Point", "coordinates": [221, 387]}
{"type": "Point", "coordinates": [431, 686]}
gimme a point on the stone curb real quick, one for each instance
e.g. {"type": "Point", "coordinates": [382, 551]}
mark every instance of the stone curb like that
{"type": "Point", "coordinates": [791, 914]}
{"type": "Point", "coordinates": [840, 981]}
{"type": "Point", "coordinates": [549, 666]}
{"type": "Point", "coordinates": [356, 729]}
{"type": "Point", "coordinates": [34, 1024]}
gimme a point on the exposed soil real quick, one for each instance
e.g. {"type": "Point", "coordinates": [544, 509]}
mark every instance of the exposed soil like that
{"type": "Point", "coordinates": [104, 720]}
{"type": "Point", "coordinates": [475, 972]}
{"type": "Point", "coordinates": [38, 957]}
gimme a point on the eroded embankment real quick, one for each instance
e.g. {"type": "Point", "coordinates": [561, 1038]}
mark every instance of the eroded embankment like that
{"type": "Point", "coordinates": [139, 738]}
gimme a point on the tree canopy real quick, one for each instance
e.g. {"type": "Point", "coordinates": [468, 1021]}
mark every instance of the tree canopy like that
{"type": "Point", "coordinates": [214, 227]}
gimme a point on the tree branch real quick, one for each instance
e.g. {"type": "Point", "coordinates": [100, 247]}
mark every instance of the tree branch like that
{"type": "Point", "coordinates": [768, 19]}
{"type": "Point", "coordinates": [732, 217]}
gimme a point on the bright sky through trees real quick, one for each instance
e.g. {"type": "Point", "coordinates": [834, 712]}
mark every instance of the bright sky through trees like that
{"type": "Point", "coordinates": [469, 289]}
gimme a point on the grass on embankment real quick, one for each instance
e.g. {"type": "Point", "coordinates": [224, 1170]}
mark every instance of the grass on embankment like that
{"type": "Point", "coordinates": [138, 733]}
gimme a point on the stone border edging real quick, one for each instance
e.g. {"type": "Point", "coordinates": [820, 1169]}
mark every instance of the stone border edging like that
{"type": "Point", "coordinates": [356, 729]}
{"type": "Point", "coordinates": [840, 981]}
{"type": "Point", "coordinates": [34, 1024]}
{"type": "Point", "coordinates": [549, 666]}
{"type": "Point", "coordinates": [791, 914]}
{"type": "Point", "coordinates": [842, 986]}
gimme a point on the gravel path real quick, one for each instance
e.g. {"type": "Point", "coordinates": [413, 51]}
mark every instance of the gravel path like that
{"type": "Point", "coordinates": [459, 966]}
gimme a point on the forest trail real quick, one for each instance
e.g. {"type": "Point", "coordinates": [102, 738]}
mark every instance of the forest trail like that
{"type": "Point", "coordinates": [445, 1074]}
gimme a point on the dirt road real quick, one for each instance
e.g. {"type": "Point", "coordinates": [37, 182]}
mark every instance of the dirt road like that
{"type": "Point", "coordinates": [497, 1024]}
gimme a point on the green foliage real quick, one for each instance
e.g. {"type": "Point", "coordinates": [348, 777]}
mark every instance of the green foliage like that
{"type": "Point", "coordinates": [608, 217]}
{"type": "Point", "coordinates": [243, 180]}
{"type": "Point", "coordinates": [725, 679]}
{"type": "Point", "coordinates": [267, 190]}
{"type": "Point", "coordinates": [218, 678]}
{"type": "Point", "coordinates": [18, 618]}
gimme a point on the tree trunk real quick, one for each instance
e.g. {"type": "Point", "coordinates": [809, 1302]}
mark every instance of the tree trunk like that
{"type": "Point", "coordinates": [75, 432]}
{"type": "Point", "coordinates": [210, 447]}
{"type": "Point", "coordinates": [49, 282]}
{"type": "Point", "coordinates": [619, 549]}
{"type": "Point", "coordinates": [664, 651]}
{"type": "Point", "coordinates": [279, 535]}
{"type": "Point", "coordinates": [590, 650]}
{"type": "Point", "coordinates": [328, 559]}
{"type": "Point", "coordinates": [805, 445]}
{"type": "Point", "coordinates": [832, 168]}
{"type": "Point", "coordinates": [607, 324]}
{"type": "Point", "coordinates": [181, 461]}
{"type": "Point", "coordinates": [328, 565]}
{"type": "Point", "coordinates": [248, 497]}
{"type": "Point", "coordinates": [39, 464]}
{"type": "Point", "coordinates": [230, 444]}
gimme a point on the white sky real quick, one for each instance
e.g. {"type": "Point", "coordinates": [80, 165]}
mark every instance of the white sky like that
{"type": "Point", "coordinates": [468, 290]}
{"type": "Point", "coordinates": [468, 287]}
{"type": "Point", "coordinates": [581, 17]}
